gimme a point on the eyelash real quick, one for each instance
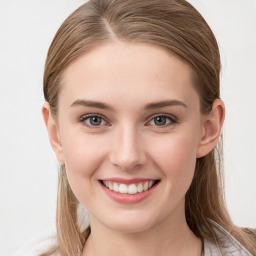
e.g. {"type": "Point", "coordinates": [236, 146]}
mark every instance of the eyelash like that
{"type": "Point", "coordinates": [87, 117]}
{"type": "Point", "coordinates": [172, 120]}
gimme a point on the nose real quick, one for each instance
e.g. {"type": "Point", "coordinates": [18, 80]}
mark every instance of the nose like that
{"type": "Point", "coordinates": [127, 149]}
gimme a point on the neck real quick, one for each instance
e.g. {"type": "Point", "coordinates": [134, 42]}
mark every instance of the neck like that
{"type": "Point", "coordinates": [170, 237]}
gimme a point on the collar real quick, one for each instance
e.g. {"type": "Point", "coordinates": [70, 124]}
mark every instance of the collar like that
{"type": "Point", "coordinates": [227, 245]}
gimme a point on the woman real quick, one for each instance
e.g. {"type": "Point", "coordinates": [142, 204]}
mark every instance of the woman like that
{"type": "Point", "coordinates": [134, 116]}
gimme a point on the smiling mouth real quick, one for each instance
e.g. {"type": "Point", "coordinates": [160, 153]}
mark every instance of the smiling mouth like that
{"type": "Point", "coordinates": [132, 189]}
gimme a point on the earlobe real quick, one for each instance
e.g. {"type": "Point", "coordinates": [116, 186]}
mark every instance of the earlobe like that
{"type": "Point", "coordinates": [212, 125]}
{"type": "Point", "coordinates": [53, 132]}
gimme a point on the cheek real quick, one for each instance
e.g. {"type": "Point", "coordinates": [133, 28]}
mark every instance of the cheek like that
{"type": "Point", "coordinates": [83, 154]}
{"type": "Point", "coordinates": [176, 157]}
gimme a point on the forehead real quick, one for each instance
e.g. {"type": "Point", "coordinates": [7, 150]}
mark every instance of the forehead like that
{"type": "Point", "coordinates": [124, 71]}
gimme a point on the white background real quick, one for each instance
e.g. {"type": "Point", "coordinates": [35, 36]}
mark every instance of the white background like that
{"type": "Point", "coordinates": [28, 169]}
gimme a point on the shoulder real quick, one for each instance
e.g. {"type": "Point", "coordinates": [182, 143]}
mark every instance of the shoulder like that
{"type": "Point", "coordinates": [227, 244]}
{"type": "Point", "coordinates": [37, 246]}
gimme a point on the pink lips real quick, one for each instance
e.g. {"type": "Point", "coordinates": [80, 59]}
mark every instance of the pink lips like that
{"type": "Point", "coordinates": [128, 198]}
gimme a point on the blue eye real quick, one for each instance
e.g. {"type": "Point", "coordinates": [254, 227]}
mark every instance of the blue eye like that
{"type": "Point", "coordinates": [93, 120]}
{"type": "Point", "coordinates": [162, 120]}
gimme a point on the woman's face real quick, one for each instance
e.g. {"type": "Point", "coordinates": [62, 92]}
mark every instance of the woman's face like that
{"type": "Point", "coordinates": [129, 117]}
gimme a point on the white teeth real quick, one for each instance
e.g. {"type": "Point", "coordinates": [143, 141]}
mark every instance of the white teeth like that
{"type": "Point", "coordinates": [145, 186]}
{"type": "Point", "coordinates": [132, 189]}
{"type": "Point", "coordinates": [123, 189]}
{"type": "Point", "coordinates": [140, 187]}
{"type": "Point", "coordinates": [116, 188]}
{"type": "Point", "coordinates": [110, 185]}
{"type": "Point", "coordinates": [128, 189]}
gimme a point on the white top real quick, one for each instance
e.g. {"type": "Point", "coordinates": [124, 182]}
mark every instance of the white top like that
{"type": "Point", "coordinates": [228, 245]}
{"type": "Point", "coordinates": [36, 246]}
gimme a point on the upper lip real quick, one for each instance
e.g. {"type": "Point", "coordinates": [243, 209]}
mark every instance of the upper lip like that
{"type": "Point", "coordinates": [128, 181]}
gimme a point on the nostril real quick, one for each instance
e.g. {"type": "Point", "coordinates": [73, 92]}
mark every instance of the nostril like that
{"type": "Point", "coordinates": [126, 160]}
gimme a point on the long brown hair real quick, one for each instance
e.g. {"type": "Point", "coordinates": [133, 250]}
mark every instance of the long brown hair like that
{"type": "Point", "coordinates": [178, 27]}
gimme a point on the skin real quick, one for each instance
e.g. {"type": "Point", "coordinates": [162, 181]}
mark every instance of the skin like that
{"type": "Point", "coordinates": [129, 143]}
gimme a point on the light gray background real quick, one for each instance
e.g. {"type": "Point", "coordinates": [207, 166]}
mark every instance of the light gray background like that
{"type": "Point", "coordinates": [28, 169]}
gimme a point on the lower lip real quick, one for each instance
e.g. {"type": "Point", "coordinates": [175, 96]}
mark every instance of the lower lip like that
{"type": "Point", "coordinates": [128, 198]}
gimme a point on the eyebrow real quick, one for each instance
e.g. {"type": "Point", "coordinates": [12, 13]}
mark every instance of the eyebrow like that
{"type": "Point", "coordinates": [154, 105]}
{"type": "Point", "coordinates": [165, 103]}
{"type": "Point", "coordinates": [91, 103]}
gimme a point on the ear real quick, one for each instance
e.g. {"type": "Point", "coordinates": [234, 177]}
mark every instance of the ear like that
{"type": "Point", "coordinates": [212, 125]}
{"type": "Point", "coordinates": [53, 132]}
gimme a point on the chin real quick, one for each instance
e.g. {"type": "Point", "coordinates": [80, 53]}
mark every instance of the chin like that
{"type": "Point", "coordinates": [131, 222]}
{"type": "Point", "coordinates": [131, 227]}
